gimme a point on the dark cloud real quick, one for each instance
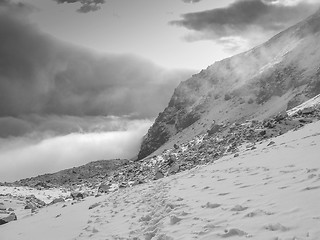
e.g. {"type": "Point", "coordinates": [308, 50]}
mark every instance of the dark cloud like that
{"type": "Point", "coordinates": [248, 19]}
{"type": "Point", "coordinates": [86, 5]}
{"type": "Point", "coordinates": [41, 76]}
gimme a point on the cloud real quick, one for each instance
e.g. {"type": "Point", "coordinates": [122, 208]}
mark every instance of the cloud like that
{"type": "Point", "coordinates": [40, 75]}
{"type": "Point", "coordinates": [86, 5]}
{"type": "Point", "coordinates": [62, 105]}
{"type": "Point", "coordinates": [249, 20]}
{"type": "Point", "coordinates": [191, 1]}
{"type": "Point", "coordinates": [21, 157]}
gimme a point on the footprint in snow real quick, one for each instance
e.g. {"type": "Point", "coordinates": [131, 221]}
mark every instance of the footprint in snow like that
{"type": "Point", "coordinates": [238, 208]}
{"type": "Point", "coordinates": [276, 227]}
{"type": "Point", "coordinates": [233, 232]}
{"type": "Point", "coordinates": [258, 213]}
{"type": "Point", "coordinates": [223, 194]}
{"type": "Point", "coordinates": [311, 188]}
{"type": "Point", "coordinates": [211, 205]}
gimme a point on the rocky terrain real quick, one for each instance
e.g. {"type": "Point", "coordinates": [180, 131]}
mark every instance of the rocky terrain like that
{"type": "Point", "coordinates": [236, 108]}
{"type": "Point", "coordinates": [87, 174]}
{"type": "Point", "coordinates": [275, 76]}
{"type": "Point", "coordinates": [106, 176]}
{"type": "Point", "coordinates": [268, 190]}
{"type": "Point", "coordinates": [217, 141]}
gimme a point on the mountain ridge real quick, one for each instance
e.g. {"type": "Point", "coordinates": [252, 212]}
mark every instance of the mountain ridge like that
{"type": "Point", "coordinates": [282, 71]}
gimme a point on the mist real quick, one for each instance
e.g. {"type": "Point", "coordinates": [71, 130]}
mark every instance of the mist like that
{"type": "Point", "coordinates": [23, 157]}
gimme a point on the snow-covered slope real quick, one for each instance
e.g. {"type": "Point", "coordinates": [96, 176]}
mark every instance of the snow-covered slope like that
{"type": "Point", "coordinates": [270, 192]}
{"type": "Point", "coordinates": [275, 76]}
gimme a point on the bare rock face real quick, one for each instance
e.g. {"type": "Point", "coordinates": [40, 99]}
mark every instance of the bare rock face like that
{"type": "Point", "coordinates": [281, 73]}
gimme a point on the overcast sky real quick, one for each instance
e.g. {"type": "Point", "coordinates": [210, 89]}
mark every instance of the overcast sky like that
{"type": "Point", "coordinates": [82, 80]}
{"type": "Point", "coordinates": [150, 28]}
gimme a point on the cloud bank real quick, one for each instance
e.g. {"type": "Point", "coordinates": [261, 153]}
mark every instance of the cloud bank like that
{"type": "Point", "coordinates": [245, 23]}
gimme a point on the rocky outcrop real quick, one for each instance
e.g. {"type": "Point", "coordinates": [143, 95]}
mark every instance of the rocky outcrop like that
{"type": "Point", "coordinates": [33, 203]}
{"type": "Point", "coordinates": [218, 141]}
{"type": "Point", "coordinates": [287, 67]}
{"type": "Point", "coordinates": [9, 218]}
{"type": "Point", "coordinates": [6, 214]}
{"type": "Point", "coordinates": [94, 170]}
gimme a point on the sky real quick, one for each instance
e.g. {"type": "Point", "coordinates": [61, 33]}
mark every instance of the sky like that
{"type": "Point", "coordinates": [83, 80]}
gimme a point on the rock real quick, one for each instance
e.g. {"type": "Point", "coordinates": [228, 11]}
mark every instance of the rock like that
{"type": "Point", "coordinates": [236, 155]}
{"type": "Point", "coordinates": [123, 185]}
{"type": "Point", "coordinates": [10, 209]}
{"type": "Point", "coordinates": [307, 110]}
{"type": "Point", "coordinates": [271, 143]}
{"type": "Point", "coordinates": [9, 218]}
{"type": "Point", "coordinates": [41, 185]}
{"type": "Point", "coordinates": [104, 188]}
{"type": "Point", "coordinates": [2, 207]}
{"type": "Point", "coordinates": [35, 201]}
{"type": "Point", "coordinates": [94, 205]}
{"type": "Point", "coordinates": [158, 175]}
{"type": "Point", "coordinates": [57, 200]}
{"type": "Point", "coordinates": [174, 169]}
{"type": "Point", "coordinates": [174, 219]}
{"type": "Point", "coordinates": [31, 206]}
{"type": "Point", "coordinates": [215, 128]}
{"type": "Point", "coordinates": [281, 116]}
{"type": "Point", "coordinates": [305, 120]}
{"type": "Point", "coordinates": [77, 195]}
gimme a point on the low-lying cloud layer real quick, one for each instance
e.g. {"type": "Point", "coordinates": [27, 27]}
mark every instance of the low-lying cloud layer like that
{"type": "Point", "coordinates": [61, 105]}
{"type": "Point", "coordinates": [23, 157]}
{"type": "Point", "coordinates": [245, 23]}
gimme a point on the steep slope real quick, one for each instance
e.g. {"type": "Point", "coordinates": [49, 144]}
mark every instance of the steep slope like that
{"type": "Point", "coordinates": [259, 83]}
{"type": "Point", "coordinates": [271, 192]}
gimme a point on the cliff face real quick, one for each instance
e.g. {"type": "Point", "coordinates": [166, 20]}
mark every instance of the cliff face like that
{"type": "Point", "coordinates": [276, 75]}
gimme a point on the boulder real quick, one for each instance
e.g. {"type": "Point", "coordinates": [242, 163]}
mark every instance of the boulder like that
{"type": "Point", "coordinates": [308, 110]}
{"type": "Point", "coordinates": [174, 169]}
{"type": "Point", "coordinates": [77, 195]}
{"type": "Point", "coordinates": [2, 207]}
{"type": "Point", "coordinates": [104, 188]}
{"type": "Point", "coordinates": [35, 201]}
{"type": "Point", "coordinates": [158, 175]}
{"type": "Point", "coordinates": [57, 200]}
{"type": "Point", "coordinates": [214, 128]}
{"type": "Point", "coordinates": [11, 217]}
{"type": "Point", "coordinates": [30, 205]}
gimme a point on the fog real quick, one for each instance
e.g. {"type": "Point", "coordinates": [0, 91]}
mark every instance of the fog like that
{"type": "Point", "coordinates": [23, 157]}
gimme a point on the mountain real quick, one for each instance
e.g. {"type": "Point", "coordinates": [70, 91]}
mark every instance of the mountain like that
{"type": "Point", "coordinates": [259, 83]}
